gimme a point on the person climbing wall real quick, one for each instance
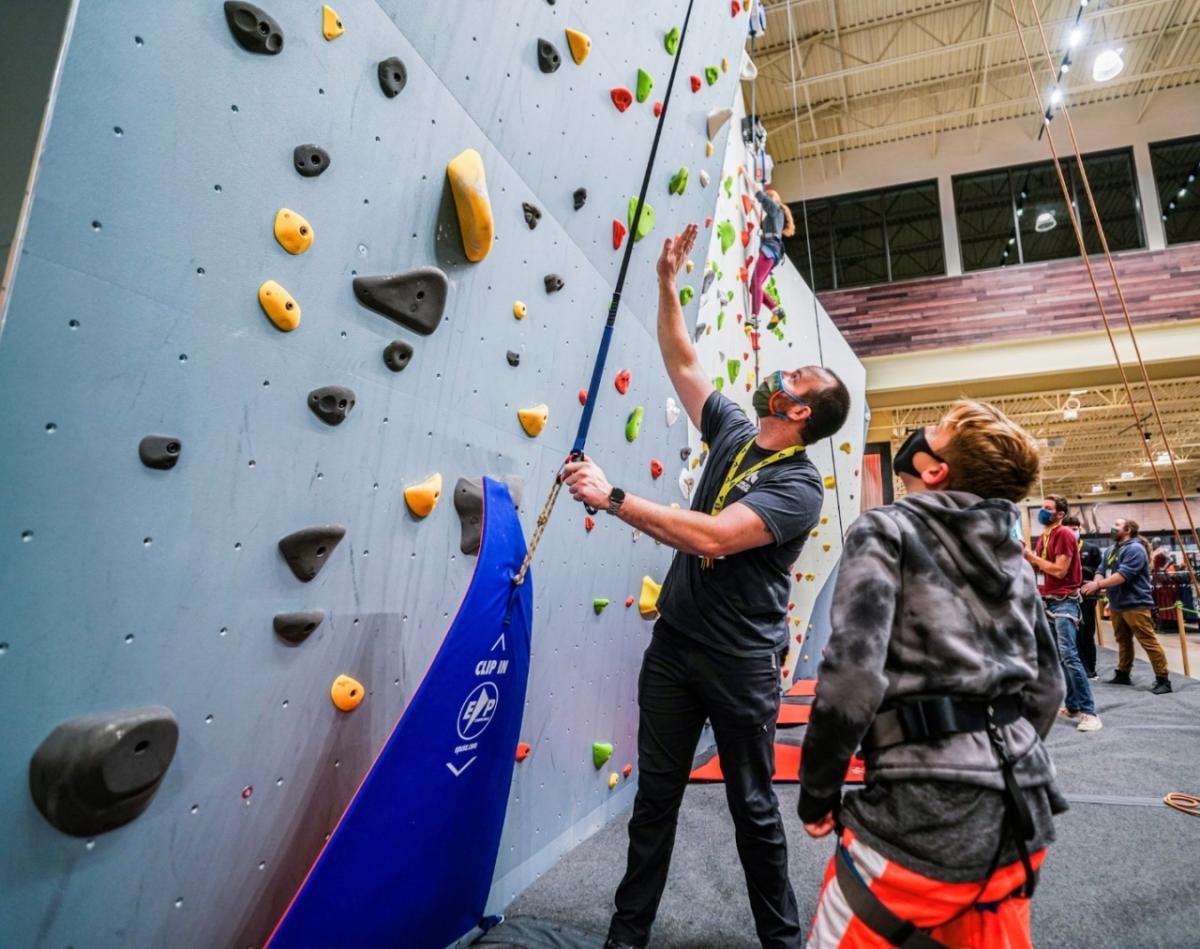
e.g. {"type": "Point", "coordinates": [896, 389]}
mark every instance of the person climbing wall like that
{"type": "Point", "coordinates": [776, 224]}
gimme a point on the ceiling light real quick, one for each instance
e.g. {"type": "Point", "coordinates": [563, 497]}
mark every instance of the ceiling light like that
{"type": "Point", "coordinates": [1107, 65]}
{"type": "Point", "coordinates": [1097, 489]}
{"type": "Point", "coordinates": [1045, 222]}
{"type": "Point", "coordinates": [1078, 392]}
{"type": "Point", "coordinates": [1064, 68]}
{"type": "Point", "coordinates": [1056, 96]}
{"type": "Point", "coordinates": [1075, 38]}
{"type": "Point", "coordinates": [1182, 193]}
{"type": "Point", "coordinates": [1162, 458]}
{"type": "Point", "coordinates": [1126, 475]}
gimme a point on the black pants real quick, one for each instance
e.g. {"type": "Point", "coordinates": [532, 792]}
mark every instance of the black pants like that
{"type": "Point", "coordinates": [1085, 637]}
{"type": "Point", "coordinates": [680, 686]}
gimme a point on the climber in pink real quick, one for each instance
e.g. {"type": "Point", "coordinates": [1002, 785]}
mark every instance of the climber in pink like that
{"type": "Point", "coordinates": [776, 224]}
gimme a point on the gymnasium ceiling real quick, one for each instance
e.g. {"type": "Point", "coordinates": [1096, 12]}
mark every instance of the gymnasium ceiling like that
{"type": "Point", "coordinates": [864, 72]}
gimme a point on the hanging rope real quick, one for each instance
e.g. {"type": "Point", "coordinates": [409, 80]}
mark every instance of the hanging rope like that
{"type": "Point", "coordinates": [1072, 214]}
{"type": "Point", "coordinates": [606, 338]}
{"type": "Point", "coordinates": [812, 275]}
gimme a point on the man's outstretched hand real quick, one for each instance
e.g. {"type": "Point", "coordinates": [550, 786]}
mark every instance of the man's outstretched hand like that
{"type": "Point", "coordinates": [675, 253]}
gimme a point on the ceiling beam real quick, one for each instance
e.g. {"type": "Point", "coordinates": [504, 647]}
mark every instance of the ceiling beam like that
{"type": "Point", "coordinates": [1170, 57]}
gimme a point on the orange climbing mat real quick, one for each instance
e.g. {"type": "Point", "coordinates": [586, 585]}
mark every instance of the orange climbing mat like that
{"type": "Point", "coordinates": [802, 687]}
{"type": "Point", "coordinates": [787, 768]}
{"type": "Point", "coordinates": [793, 714]}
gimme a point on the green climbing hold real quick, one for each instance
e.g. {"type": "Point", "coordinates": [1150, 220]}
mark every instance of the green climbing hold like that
{"type": "Point", "coordinates": [685, 295]}
{"type": "Point", "coordinates": [598, 605]}
{"type": "Point", "coordinates": [671, 40]}
{"type": "Point", "coordinates": [727, 184]}
{"type": "Point", "coordinates": [733, 367]}
{"type": "Point", "coordinates": [645, 223]}
{"type": "Point", "coordinates": [719, 383]}
{"type": "Point", "coordinates": [633, 425]}
{"type": "Point", "coordinates": [644, 84]}
{"type": "Point", "coordinates": [727, 235]}
{"type": "Point", "coordinates": [679, 181]}
{"type": "Point", "coordinates": [712, 74]}
{"type": "Point", "coordinates": [601, 752]}
{"type": "Point", "coordinates": [720, 320]}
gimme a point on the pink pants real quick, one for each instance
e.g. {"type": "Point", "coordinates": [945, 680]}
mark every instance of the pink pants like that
{"type": "Point", "coordinates": [762, 270]}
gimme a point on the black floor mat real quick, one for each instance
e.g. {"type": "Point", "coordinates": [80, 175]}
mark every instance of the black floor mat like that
{"type": "Point", "coordinates": [530, 932]}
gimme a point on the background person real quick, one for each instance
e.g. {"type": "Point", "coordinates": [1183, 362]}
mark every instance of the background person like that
{"type": "Point", "coordinates": [1090, 558]}
{"type": "Point", "coordinates": [1130, 600]}
{"type": "Point", "coordinates": [940, 641]}
{"type": "Point", "coordinates": [775, 224]}
{"type": "Point", "coordinates": [715, 652]}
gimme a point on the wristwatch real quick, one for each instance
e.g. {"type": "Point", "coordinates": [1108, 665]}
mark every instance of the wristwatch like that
{"type": "Point", "coordinates": [615, 499]}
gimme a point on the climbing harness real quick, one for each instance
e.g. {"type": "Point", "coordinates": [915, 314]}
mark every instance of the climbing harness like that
{"type": "Point", "coordinates": [593, 391]}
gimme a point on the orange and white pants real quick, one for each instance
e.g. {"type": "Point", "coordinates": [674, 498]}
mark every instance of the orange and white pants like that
{"type": "Point", "coordinates": [924, 902]}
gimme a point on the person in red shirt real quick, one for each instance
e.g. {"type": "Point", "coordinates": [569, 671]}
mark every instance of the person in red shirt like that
{"type": "Point", "coordinates": [1056, 562]}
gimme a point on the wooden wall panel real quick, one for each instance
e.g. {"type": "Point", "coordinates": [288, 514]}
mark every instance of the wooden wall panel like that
{"type": "Point", "coordinates": [1034, 300]}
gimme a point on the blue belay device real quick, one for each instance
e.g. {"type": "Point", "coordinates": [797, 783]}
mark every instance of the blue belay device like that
{"type": "Point", "coordinates": [411, 861]}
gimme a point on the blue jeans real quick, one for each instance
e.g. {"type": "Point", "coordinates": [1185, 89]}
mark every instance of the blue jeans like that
{"type": "Point", "coordinates": [1066, 616]}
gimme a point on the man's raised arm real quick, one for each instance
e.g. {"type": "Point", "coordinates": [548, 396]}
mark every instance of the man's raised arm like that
{"type": "Point", "coordinates": [679, 355]}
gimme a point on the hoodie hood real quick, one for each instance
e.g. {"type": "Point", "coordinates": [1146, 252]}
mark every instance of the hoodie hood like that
{"type": "Point", "coordinates": [976, 534]}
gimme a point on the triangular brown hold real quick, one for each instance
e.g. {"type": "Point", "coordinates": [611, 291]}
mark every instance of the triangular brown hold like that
{"type": "Point", "coordinates": [468, 502]}
{"type": "Point", "coordinates": [307, 550]}
{"type": "Point", "coordinates": [254, 30]}
{"type": "Point", "coordinates": [415, 298]}
{"type": "Point", "coordinates": [294, 628]}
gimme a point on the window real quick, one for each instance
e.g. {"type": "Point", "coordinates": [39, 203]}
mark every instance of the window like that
{"type": "Point", "coordinates": [1176, 167]}
{"type": "Point", "coordinates": [871, 237]}
{"type": "Point", "coordinates": [1018, 215]}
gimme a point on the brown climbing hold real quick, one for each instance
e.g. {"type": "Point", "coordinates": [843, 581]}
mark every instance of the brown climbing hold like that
{"type": "Point", "coordinates": [534, 420]}
{"type": "Point", "coordinates": [347, 693]}
{"type": "Point", "coordinates": [696, 83]}
{"type": "Point", "coordinates": [580, 45]}
{"type": "Point", "coordinates": [523, 751]}
{"type": "Point", "coordinates": [622, 381]}
{"type": "Point", "coordinates": [423, 498]}
{"type": "Point", "coordinates": [579, 198]}
{"type": "Point", "coordinates": [293, 232]}
{"type": "Point", "coordinates": [656, 469]}
{"type": "Point", "coordinates": [553, 282]}
{"type": "Point", "coordinates": [622, 98]}
{"type": "Point", "coordinates": [618, 234]}
{"type": "Point", "coordinates": [532, 214]}
{"type": "Point", "coordinates": [279, 305]}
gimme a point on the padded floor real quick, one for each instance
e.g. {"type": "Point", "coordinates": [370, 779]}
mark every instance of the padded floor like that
{"type": "Point", "coordinates": [787, 767]}
{"type": "Point", "coordinates": [793, 713]}
{"type": "Point", "coordinates": [1120, 876]}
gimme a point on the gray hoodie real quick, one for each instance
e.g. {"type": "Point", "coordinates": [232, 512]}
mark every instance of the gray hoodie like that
{"type": "Point", "coordinates": [933, 597]}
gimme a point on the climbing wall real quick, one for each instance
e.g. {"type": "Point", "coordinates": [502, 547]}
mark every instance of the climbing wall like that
{"type": "Point", "coordinates": [152, 579]}
{"type": "Point", "coordinates": [725, 342]}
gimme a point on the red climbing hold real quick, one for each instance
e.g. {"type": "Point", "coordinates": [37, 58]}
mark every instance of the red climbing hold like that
{"type": "Point", "coordinates": [622, 98]}
{"type": "Point", "coordinates": [696, 83]}
{"type": "Point", "coordinates": [618, 234]}
{"type": "Point", "coordinates": [735, 8]}
{"type": "Point", "coordinates": [749, 226]}
{"type": "Point", "coordinates": [743, 274]}
{"type": "Point", "coordinates": [785, 671]}
{"type": "Point", "coordinates": [628, 602]}
{"type": "Point", "coordinates": [739, 318]}
{"type": "Point", "coordinates": [657, 109]}
{"type": "Point", "coordinates": [708, 222]}
{"type": "Point", "coordinates": [747, 204]}
{"type": "Point", "coordinates": [588, 522]}
{"type": "Point", "coordinates": [627, 770]}
{"type": "Point", "coordinates": [754, 340]}
{"type": "Point", "coordinates": [746, 238]}
{"type": "Point", "coordinates": [622, 381]}
{"type": "Point", "coordinates": [583, 396]}
{"type": "Point", "coordinates": [523, 751]}
{"type": "Point", "coordinates": [656, 469]}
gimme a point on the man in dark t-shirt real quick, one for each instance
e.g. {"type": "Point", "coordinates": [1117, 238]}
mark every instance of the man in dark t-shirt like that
{"type": "Point", "coordinates": [722, 623]}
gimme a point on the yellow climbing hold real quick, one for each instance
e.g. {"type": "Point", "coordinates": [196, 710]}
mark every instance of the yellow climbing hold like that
{"type": "Point", "coordinates": [331, 23]}
{"type": "Point", "coordinates": [648, 599]}
{"type": "Point", "coordinates": [294, 233]}
{"type": "Point", "coordinates": [613, 780]}
{"type": "Point", "coordinates": [534, 420]}
{"type": "Point", "coordinates": [724, 64]}
{"type": "Point", "coordinates": [519, 310]}
{"type": "Point", "coordinates": [830, 482]}
{"type": "Point", "coordinates": [581, 45]}
{"type": "Point", "coordinates": [846, 447]}
{"type": "Point", "coordinates": [279, 305]}
{"type": "Point", "coordinates": [347, 693]}
{"type": "Point", "coordinates": [827, 547]}
{"type": "Point", "coordinates": [469, 186]}
{"type": "Point", "coordinates": [423, 498]}
{"type": "Point", "coordinates": [824, 520]}
{"type": "Point", "coordinates": [708, 149]}
{"type": "Point", "coordinates": [691, 266]}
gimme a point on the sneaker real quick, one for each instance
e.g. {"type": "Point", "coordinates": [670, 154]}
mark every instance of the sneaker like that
{"type": "Point", "coordinates": [1067, 713]}
{"type": "Point", "coordinates": [1089, 723]}
{"type": "Point", "coordinates": [1120, 678]}
{"type": "Point", "coordinates": [1162, 685]}
{"type": "Point", "coordinates": [1092, 675]}
{"type": "Point", "coordinates": [613, 943]}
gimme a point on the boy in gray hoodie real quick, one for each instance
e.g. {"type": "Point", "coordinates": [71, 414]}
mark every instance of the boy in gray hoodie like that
{"type": "Point", "coordinates": [942, 666]}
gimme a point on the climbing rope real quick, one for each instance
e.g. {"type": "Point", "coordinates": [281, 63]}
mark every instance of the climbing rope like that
{"type": "Point", "coordinates": [1072, 214]}
{"type": "Point", "coordinates": [589, 406]}
{"type": "Point", "coordinates": [1188, 803]}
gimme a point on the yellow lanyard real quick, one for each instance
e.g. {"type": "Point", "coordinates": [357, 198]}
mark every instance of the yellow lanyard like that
{"type": "Point", "coordinates": [733, 476]}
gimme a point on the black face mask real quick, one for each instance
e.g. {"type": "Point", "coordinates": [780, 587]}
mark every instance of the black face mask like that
{"type": "Point", "coordinates": [903, 460]}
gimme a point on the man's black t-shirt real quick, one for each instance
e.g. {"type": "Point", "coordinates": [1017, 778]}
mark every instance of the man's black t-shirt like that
{"type": "Point", "coordinates": [739, 605]}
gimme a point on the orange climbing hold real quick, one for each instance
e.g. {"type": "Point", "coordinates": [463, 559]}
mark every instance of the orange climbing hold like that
{"type": "Point", "coordinates": [583, 396]}
{"type": "Point", "coordinates": [534, 420]}
{"type": "Point", "coordinates": [423, 498]}
{"type": "Point", "coordinates": [656, 469]}
{"type": "Point", "coordinates": [331, 23]}
{"type": "Point", "coordinates": [589, 523]}
{"type": "Point", "coordinates": [622, 381]}
{"type": "Point", "coordinates": [523, 751]}
{"type": "Point", "coordinates": [346, 693]}
{"type": "Point", "coordinates": [293, 232]}
{"type": "Point", "coordinates": [697, 82]}
{"type": "Point", "coordinates": [618, 234]}
{"type": "Point", "coordinates": [468, 184]}
{"type": "Point", "coordinates": [279, 305]}
{"type": "Point", "coordinates": [622, 98]}
{"type": "Point", "coordinates": [580, 45]}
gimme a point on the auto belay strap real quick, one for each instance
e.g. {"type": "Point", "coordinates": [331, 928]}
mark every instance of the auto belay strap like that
{"type": "Point", "coordinates": [1016, 808]}
{"type": "Point", "coordinates": [870, 909]}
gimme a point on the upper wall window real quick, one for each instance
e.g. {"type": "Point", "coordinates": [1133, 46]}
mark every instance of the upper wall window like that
{"type": "Point", "coordinates": [1176, 167]}
{"type": "Point", "coordinates": [871, 237]}
{"type": "Point", "coordinates": [1018, 215]}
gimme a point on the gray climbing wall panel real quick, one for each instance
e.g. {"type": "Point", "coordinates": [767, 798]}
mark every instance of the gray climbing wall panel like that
{"type": "Point", "coordinates": [133, 311]}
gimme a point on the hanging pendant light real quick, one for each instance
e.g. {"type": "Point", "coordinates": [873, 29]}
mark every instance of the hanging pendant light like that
{"type": "Point", "coordinates": [1107, 65]}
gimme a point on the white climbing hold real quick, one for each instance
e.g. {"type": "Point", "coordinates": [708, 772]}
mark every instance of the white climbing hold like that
{"type": "Point", "coordinates": [749, 70]}
{"type": "Point", "coordinates": [703, 178]}
{"type": "Point", "coordinates": [717, 118]}
{"type": "Point", "coordinates": [672, 411]}
{"type": "Point", "coordinates": [687, 481]}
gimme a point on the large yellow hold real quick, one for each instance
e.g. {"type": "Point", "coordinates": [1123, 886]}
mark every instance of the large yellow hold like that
{"type": "Point", "coordinates": [534, 420]}
{"type": "Point", "coordinates": [294, 233]}
{"type": "Point", "coordinates": [279, 305]}
{"type": "Point", "coordinates": [423, 498]}
{"type": "Point", "coordinates": [331, 23]}
{"type": "Point", "coordinates": [469, 187]}
{"type": "Point", "coordinates": [581, 45]}
{"type": "Point", "coordinates": [648, 599]}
